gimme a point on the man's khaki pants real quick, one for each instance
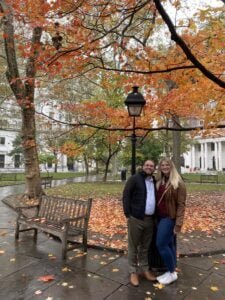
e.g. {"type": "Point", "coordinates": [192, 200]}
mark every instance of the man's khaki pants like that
{"type": "Point", "coordinates": [139, 239]}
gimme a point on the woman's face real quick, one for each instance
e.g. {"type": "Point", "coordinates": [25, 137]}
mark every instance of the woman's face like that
{"type": "Point", "coordinates": [165, 168]}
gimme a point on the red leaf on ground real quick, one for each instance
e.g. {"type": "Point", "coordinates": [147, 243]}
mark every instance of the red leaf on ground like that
{"type": "Point", "coordinates": [46, 278]}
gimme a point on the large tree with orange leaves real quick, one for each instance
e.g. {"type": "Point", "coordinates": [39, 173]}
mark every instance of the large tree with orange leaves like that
{"type": "Point", "coordinates": [23, 88]}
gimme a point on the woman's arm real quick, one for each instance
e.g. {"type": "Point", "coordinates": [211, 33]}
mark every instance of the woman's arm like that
{"type": "Point", "coordinates": [181, 202]}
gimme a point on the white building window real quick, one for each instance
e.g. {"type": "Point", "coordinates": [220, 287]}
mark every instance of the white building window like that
{"type": "Point", "coordinates": [17, 161]}
{"type": "Point", "coordinates": [2, 140]}
{"type": "Point", "coordinates": [2, 161]}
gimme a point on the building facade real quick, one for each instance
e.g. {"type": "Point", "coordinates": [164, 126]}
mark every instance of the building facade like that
{"type": "Point", "coordinates": [7, 161]}
{"type": "Point", "coordinates": [206, 154]}
{"type": "Point", "coordinates": [10, 124]}
{"type": "Point", "coordinates": [10, 128]}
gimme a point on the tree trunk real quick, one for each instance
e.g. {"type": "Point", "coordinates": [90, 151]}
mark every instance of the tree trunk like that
{"type": "Point", "coordinates": [114, 165]}
{"type": "Point", "coordinates": [110, 156]}
{"type": "Point", "coordinates": [56, 162]}
{"type": "Point", "coordinates": [166, 147]}
{"type": "Point", "coordinates": [32, 170]}
{"type": "Point", "coordinates": [24, 94]}
{"type": "Point", "coordinates": [106, 170]}
{"type": "Point", "coordinates": [96, 167]}
{"type": "Point", "coordinates": [86, 166]}
{"type": "Point", "coordinates": [176, 144]}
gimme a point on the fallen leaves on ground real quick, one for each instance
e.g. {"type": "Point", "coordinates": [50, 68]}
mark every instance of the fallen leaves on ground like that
{"type": "Point", "coordinates": [38, 292]}
{"type": "Point", "coordinates": [51, 256]}
{"type": "Point", "coordinates": [205, 212]}
{"type": "Point", "coordinates": [214, 288]}
{"type": "Point", "coordinates": [3, 232]}
{"type": "Point", "coordinates": [159, 286]}
{"type": "Point", "coordinates": [66, 269]}
{"type": "Point", "coordinates": [115, 270]}
{"type": "Point", "coordinates": [12, 259]}
{"type": "Point", "coordinates": [46, 278]}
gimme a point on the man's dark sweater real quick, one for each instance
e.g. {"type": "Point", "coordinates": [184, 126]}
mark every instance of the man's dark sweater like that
{"type": "Point", "coordinates": [134, 196]}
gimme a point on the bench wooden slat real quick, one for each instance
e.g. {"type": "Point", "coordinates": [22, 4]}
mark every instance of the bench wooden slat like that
{"type": "Point", "coordinates": [46, 181]}
{"type": "Point", "coordinates": [50, 218]}
{"type": "Point", "coordinates": [209, 178]}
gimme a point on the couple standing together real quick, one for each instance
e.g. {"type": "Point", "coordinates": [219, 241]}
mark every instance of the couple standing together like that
{"type": "Point", "coordinates": [148, 203]}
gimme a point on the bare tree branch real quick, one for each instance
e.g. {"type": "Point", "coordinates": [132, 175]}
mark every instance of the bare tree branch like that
{"type": "Point", "coordinates": [146, 72]}
{"type": "Point", "coordinates": [108, 128]}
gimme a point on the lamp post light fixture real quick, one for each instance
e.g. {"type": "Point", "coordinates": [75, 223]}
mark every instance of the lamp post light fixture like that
{"type": "Point", "coordinates": [134, 102]}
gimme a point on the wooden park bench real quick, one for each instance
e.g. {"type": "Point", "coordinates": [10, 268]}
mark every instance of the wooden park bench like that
{"type": "Point", "coordinates": [46, 181]}
{"type": "Point", "coordinates": [60, 217]}
{"type": "Point", "coordinates": [209, 178]}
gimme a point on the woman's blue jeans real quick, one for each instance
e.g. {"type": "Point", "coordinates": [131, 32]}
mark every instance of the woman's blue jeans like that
{"type": "Point", "coordinates": [165, 242]}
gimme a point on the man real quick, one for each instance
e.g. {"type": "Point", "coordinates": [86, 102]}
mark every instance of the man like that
{"type": "Point", "coordinates": [139, 208]}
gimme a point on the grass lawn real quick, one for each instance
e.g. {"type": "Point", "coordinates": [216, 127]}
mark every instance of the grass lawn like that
{"type": "Point", "coordinates": [204, 187]}
{"type": "Point", "coordinates": [100, 189]}
{"type": "Point", "coordinates": [195, 177]}
{"type": "Point", "coordinates": [103, 190]}
{"type": "Point", "coordinates": [89, 189]}
{"type": "Point", "coordinates": [20, 177]}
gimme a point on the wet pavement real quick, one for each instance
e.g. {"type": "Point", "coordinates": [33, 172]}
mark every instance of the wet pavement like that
{"type": "Point", "coordinates": [30, 270]}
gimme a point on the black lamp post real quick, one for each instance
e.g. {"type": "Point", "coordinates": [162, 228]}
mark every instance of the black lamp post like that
{"type": "Point", "coordinates": [134, 102]}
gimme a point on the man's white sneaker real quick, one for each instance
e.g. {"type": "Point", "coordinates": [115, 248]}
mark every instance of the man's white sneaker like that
{"type": "Point", "coordinates": [162, 276]}
{"type": "Point", "coordinates": [169, 278]}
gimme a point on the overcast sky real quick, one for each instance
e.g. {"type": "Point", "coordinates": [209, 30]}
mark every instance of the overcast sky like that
{"type": "Point", "coordinates": [191, 6]}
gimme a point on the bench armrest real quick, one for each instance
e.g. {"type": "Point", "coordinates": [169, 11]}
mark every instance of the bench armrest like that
{"type": "Point", "coordinates": [67, 220]}
{"type": "Point", "coordinates": [19, 208]}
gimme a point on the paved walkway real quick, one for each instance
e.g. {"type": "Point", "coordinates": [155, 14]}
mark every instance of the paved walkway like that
{"type": "Point", "coordinates": [100, 274]}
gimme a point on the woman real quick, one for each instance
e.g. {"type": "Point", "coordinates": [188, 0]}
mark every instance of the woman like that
{"type": "Point", "coordinates": [171, 196]}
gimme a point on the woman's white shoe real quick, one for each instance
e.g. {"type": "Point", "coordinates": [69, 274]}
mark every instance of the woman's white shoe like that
{"type": "Point", "coordinates": [169, 278]}
{"type": "Point", "coordinates": [162, 276]}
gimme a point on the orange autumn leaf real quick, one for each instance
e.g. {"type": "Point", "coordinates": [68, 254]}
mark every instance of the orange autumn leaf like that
{"type": "Point", "coordinates": [46, 278]}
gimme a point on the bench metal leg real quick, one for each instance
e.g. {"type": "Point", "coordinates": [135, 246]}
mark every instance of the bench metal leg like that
{"type": "Point", "coordinates": [85, 242]}
{"type": "Point", "coordinates": [35, 234]}
{"type": "Point", "coordinates": [64, 248]}
{"type": "Point", "coordinates": [64, 242]}
{"type": "Point", "coordinates": [17, 231]}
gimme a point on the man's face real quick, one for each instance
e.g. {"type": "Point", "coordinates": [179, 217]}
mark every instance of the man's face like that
{"type": "Point", "coordinates": [149, 167]}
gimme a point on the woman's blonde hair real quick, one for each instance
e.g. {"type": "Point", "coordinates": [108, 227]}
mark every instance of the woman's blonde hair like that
{"type": "Point", "coordinates": [174, 177]}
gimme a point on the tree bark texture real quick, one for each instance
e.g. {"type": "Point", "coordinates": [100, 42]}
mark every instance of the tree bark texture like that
{"type": "Point", "coordinates": [23, 91]}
